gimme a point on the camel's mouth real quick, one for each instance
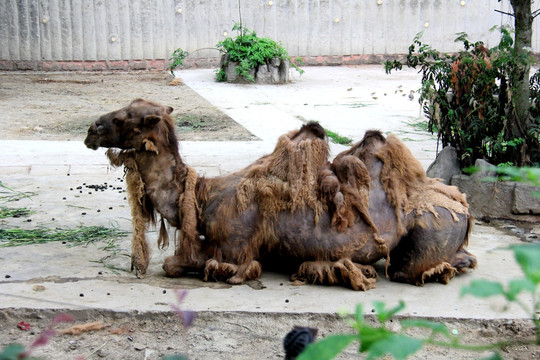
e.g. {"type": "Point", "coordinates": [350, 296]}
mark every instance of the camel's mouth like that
{"type": "Point", "coordinates": [93, 146]}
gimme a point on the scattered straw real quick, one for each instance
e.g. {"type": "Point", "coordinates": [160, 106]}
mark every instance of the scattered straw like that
{"type": "Point", "coordinates": [82, 235]}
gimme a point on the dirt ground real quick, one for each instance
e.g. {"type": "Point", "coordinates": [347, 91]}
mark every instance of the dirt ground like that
{"type": "Point", "coordinates": [47, 106]}
{"type": "Point", "coordinates": [61, 106]}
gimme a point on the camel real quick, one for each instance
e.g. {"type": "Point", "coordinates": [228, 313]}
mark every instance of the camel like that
{"type": "Point", "coordinates": [292, 210]}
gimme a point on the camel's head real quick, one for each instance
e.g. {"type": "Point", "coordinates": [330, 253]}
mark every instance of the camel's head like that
{"type": "Point", "coordinates": [128, 127]}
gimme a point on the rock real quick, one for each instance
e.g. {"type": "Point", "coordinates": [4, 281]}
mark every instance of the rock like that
{"type": "Point", "coordinates": [264, 74]}
{"type": "Point", "coordinates": [139, 346]}
{"type": "Point", "coordinates": [484, 169]}
{"type": "Point", "coordinates": [445, 165]}
{"type": "Point", "coordinates": [499, 199]}
{"type": "Point", "coordinates": [524, 201]}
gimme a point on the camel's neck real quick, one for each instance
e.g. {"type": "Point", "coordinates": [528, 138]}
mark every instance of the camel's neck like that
{"type": "Point", "coordinates": [163, 174]}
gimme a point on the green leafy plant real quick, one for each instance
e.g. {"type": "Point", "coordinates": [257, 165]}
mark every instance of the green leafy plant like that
{"type": "Point", "coordinates": [467, 98]}
{"type": "Point", "coordinates": [250, 51]}
{"type": "Point", "coordinates": [378, 341]}
{"type": "Point", "coordinates": [177, 59]}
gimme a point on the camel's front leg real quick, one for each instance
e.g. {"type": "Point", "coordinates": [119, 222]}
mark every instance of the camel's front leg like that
{"type": "Point", "coordinates": [140, 251]}
{"type": "Point", "coordinates": [341, 272]}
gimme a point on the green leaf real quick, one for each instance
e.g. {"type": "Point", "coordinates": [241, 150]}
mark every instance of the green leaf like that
{"type": "Point", "coordinates": [359, 313]}
{"type": "Point", "coordinates": [483, 289]}
{"type": "Point", "coordinates": [384, 314]}
{"type": "Point", "coordinates": [327, 348]}
{"type": "Point", "coordinates": [12, 352]}
{"type": "Point", "coordinates": [518, 285]}
{"type": "Point", "coordinates": [528, 257]}
{"type": "Point", "coordinates": [397, 345]}
{"type": "Point", "coordinates": [435, 327]}
{"type": "Point", "coordinates": [369, 336]}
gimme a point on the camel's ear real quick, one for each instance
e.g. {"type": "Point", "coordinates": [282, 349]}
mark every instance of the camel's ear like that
{"type": "Point", "coordinates": [168, 109]}
{"type": "Point", "coordinates": [151, 120]}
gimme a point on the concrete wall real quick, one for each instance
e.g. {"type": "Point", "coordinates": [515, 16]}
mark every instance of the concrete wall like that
{"type": "Point", "coordinates": [44, 31]}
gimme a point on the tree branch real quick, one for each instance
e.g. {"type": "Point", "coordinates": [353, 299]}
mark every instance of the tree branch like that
{"type": "Point", "coordinates": [504, 12]}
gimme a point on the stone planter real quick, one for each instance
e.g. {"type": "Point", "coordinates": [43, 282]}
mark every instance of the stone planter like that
{"type": "Point", "coordinates": [275, 72]}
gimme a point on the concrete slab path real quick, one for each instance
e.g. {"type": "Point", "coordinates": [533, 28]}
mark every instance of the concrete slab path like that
{"type": "Point", "coordinates": [345, 100]}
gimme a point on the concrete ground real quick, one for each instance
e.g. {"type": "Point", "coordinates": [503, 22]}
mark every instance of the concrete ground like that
{"type": "Point", "coordinates": [345, 100]}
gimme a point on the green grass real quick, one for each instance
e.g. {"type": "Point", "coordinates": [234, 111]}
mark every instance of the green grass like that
{"type": "Point", "coordinates": [82, 235]}
{"type": "Point", "coordinates": [6, 212]}
{"type": "Point", "coordinates": [422, 126]}
{"type": "Point", "coordinates": [338, 139]}
{"type": "Point", "coordinates": [7, 194]}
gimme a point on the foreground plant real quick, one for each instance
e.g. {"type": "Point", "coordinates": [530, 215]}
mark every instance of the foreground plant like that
{"type": "Point", "coordinates": [20, 352]}
{"type": "Point", "coordinates": [377, 341]}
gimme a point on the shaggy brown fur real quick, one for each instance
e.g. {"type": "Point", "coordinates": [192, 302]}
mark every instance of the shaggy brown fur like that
{"type": "Point", "coordinates": [291, 208]}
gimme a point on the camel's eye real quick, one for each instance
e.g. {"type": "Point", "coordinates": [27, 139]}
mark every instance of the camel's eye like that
{"type": "Point", "coordinates": [100, 129]}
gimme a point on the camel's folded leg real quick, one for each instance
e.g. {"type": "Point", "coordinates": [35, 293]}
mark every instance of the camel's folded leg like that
{"type": "Point", "coordinates": [341, 272]}
{"type": "Point", "coordinates": [232, 273]}
{"type": "Point", "coordinates": [176, 265]}
{"type": "Point", "coordinates": [433, 251]}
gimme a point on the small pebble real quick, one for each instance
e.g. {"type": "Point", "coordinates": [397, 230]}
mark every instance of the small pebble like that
{"type": "Point", "coordinates": [29, 220]}
{"type": "Point", "coordinates": [70, 189]}
{"type": "Point", "coordinates": [98, 210]}
{"type": "Point", "coordinates": [63, 198]}
{"type": "Point", "coordinates": [81, 295]}
{"type": "Point", "coordinates": [108, 293]}
{"type": "Point", "coordinates": [100, 273]}
{"type": "Point", "coordinates": [164, 291]}
{"type": "Point", "coordinates": [286, 300]}
{"type": "Point", "coordinates": [83, 213]}
{"type": "Point", "coordinates": [110, 207]}
{"type": "Point", "coordinates": [7, 276]}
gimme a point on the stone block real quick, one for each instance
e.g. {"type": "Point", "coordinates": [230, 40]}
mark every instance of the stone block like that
{"type": "Point", "coordinates": [498, 199]}
{"type": "Point", "coordinates": [445, 166]}
{"type": "Point", "coordinates": [525, 201]}
{"type": "Point", "coordinates": [263, 75]}
{"type": "Point", "coordinates": [484, 169]}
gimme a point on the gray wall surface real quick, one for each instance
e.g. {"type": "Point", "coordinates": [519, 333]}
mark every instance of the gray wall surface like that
{"type": "Point", "coordinates": [91, 30]}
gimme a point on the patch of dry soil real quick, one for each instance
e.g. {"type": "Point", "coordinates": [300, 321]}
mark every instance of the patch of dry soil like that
{"type": "Point", "coordinates": [61, 106]}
